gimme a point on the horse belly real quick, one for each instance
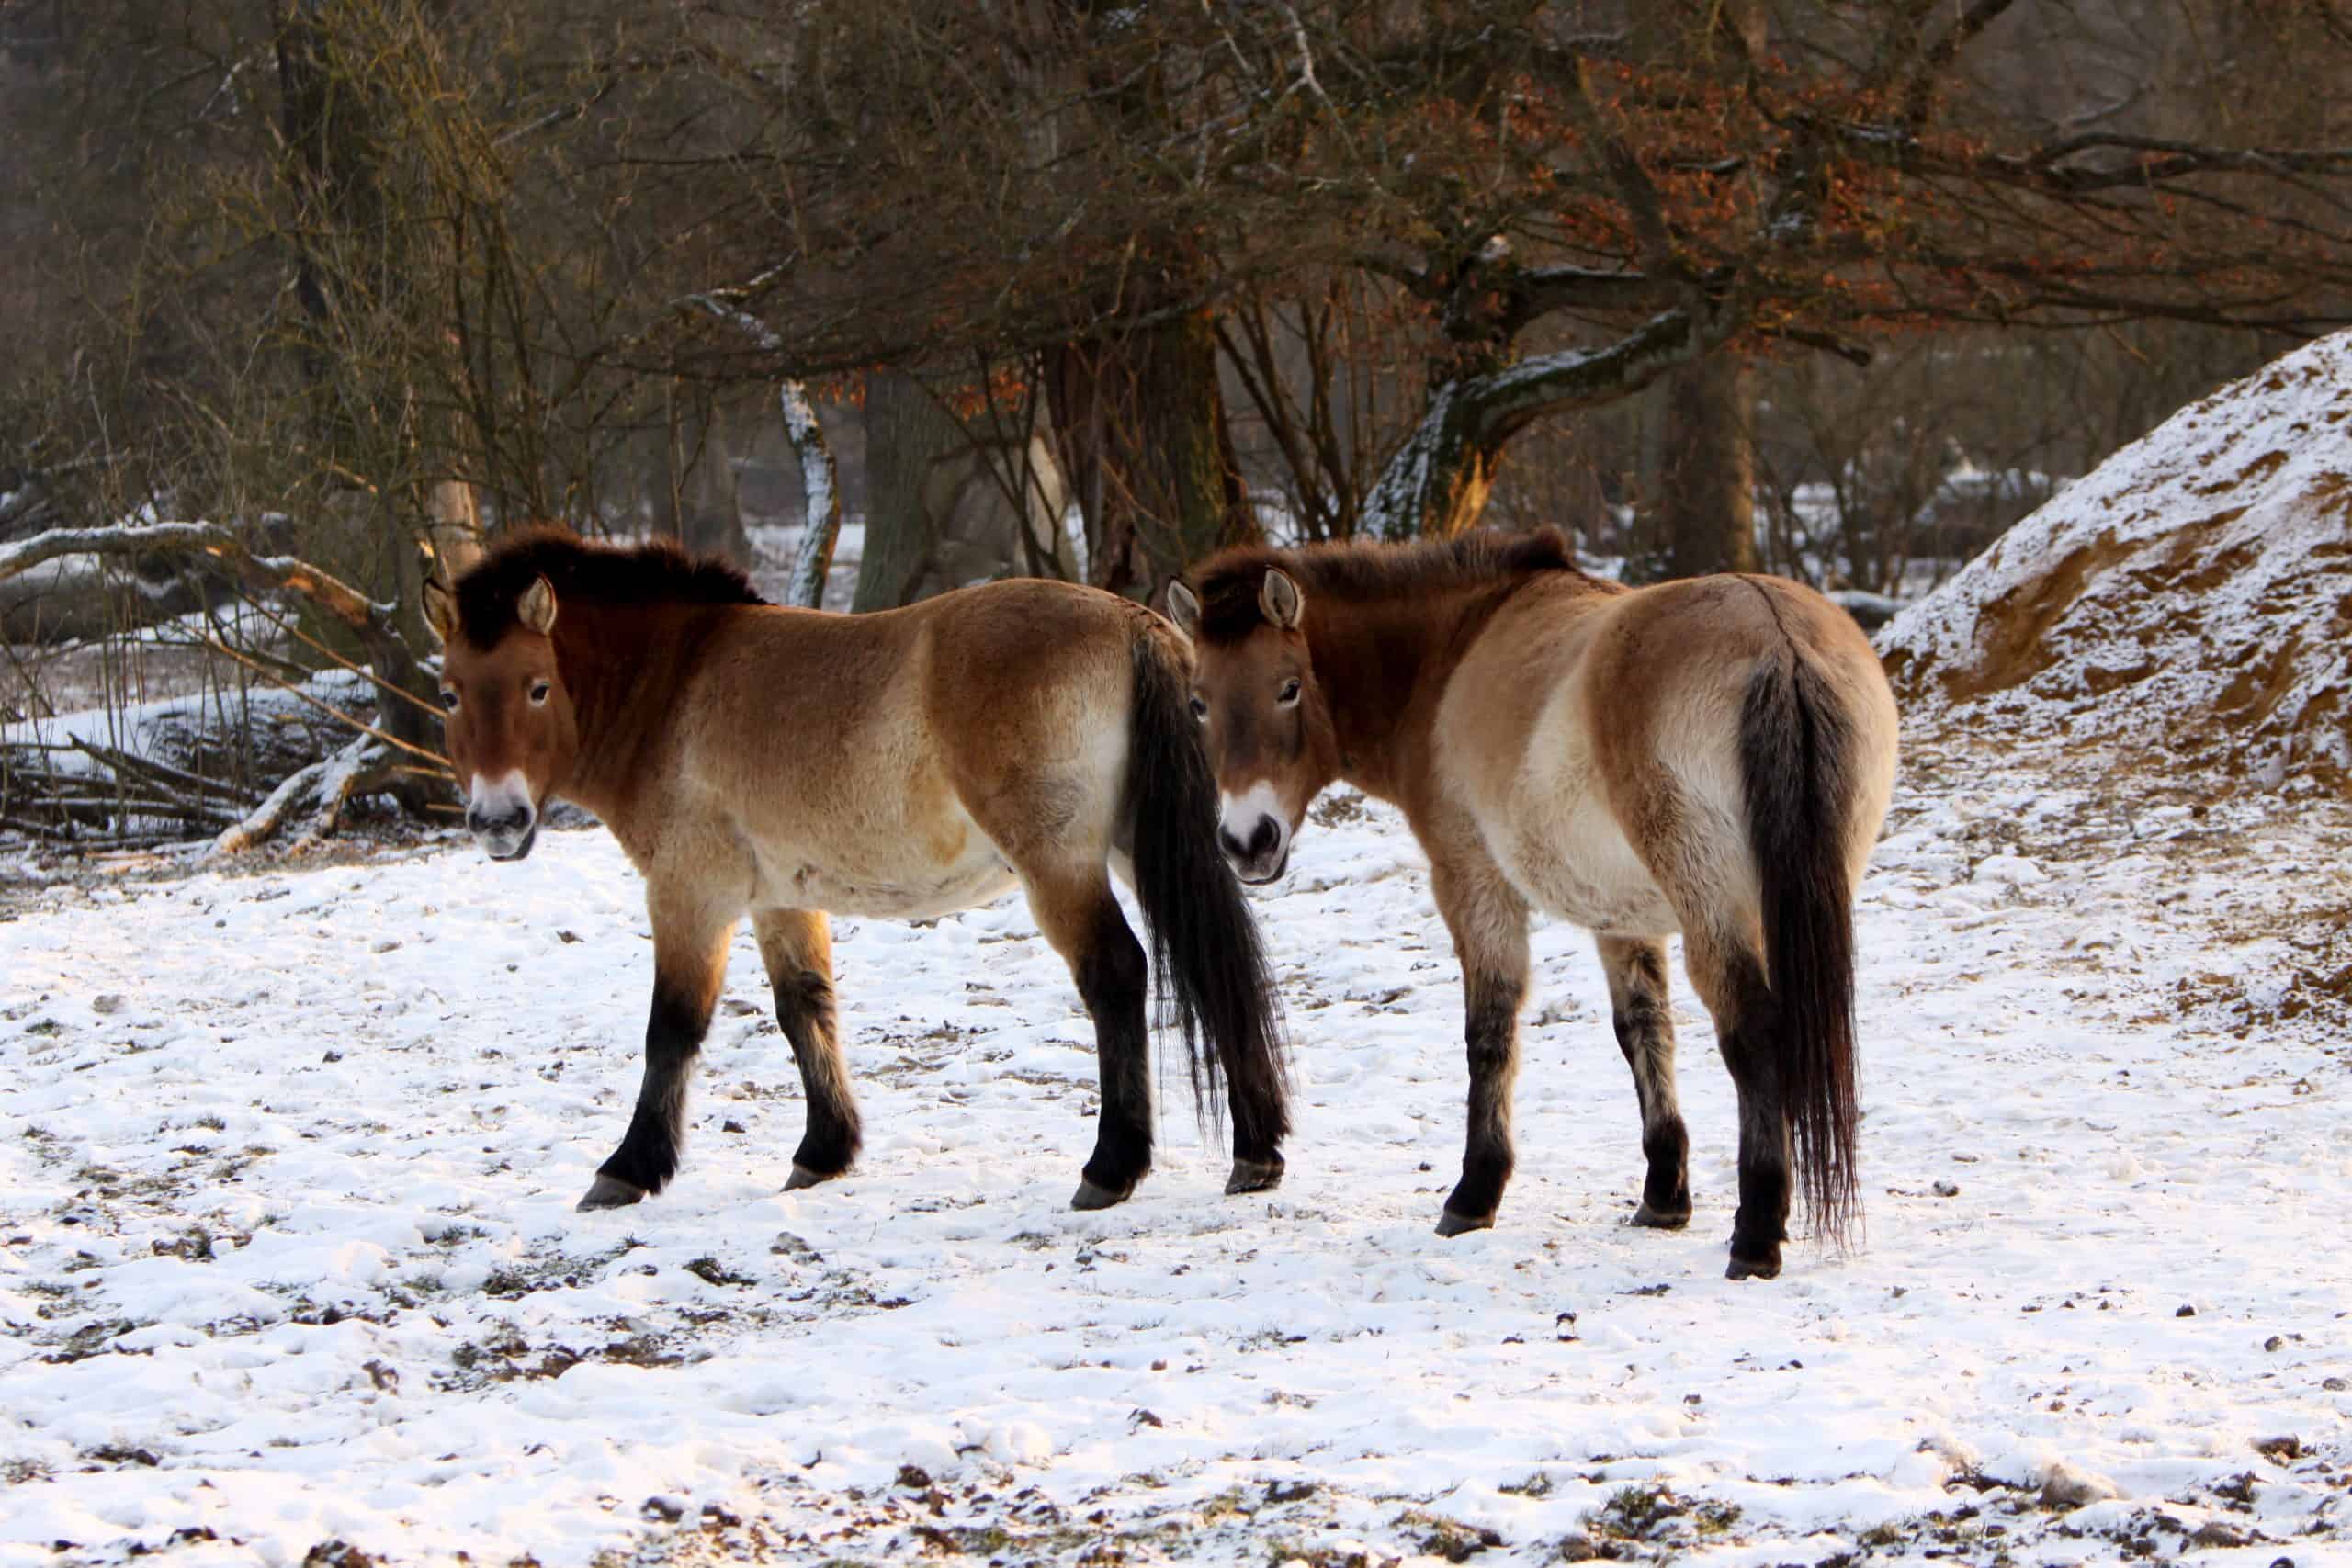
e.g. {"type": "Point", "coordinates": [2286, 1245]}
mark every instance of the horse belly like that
{"type": "Point", "coordinates": [909, 886]}
{"type": "Point", "coordinates": [1559, 843]}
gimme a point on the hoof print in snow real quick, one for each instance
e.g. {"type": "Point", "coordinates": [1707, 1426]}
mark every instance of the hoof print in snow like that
{"type": "Point", "coordinates": [2066, 1487]}
{"type": "Point", "coordinates": [2216, 1536]}
{"type": "Point", "coordinates": [788, 1245]}
{"type": "Point", "coordinates": [338, 1554]}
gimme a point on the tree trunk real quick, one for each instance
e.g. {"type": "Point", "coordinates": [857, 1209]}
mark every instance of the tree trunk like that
{"type": "Point", "coordinates": [452, 527]}
{"type": "Point", "coordinates": [1139, 423]}
{"type": "Point", "coordinates": [820, 493]}
{"type": "Point", "coordinates": [907, 435]}
{"type": "Point", "coordinates": [1437, 482]}
{"type": "Point", "coordinates": [1706, 489]}
{"type": "Point", "coordinates": [706, 512]}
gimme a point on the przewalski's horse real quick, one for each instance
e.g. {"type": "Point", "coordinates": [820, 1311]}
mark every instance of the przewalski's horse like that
{"type": "Point", "coordinates": [785, 762]}
{"type": "Point", "coordinates": [1711, 757]}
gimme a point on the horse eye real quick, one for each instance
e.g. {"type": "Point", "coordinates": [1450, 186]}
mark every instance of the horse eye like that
{"type": "Point", "coordinates": [1200, 710]}
{"type": "Point", "coordinates": [448, 699]}
{"type": "Point", "coordinates": [539, 689]}
{"type": "Point", "coordinates": [1289, 693]}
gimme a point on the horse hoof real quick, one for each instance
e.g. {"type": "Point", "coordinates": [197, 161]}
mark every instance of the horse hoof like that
{"type": "Point", "coordinates": [1753, 1269]}
{"type": "Point", "coordinates": [1092, 1197]}
{"type": "Point", "coordinates": [610, 1193]}
{"type": "Point", "coordinates": [1451, 1224]}
{"type": "Point", "coordinates": [803, 1176]}
{"type": "Point", "coordinates": [1657, 1219]}
{"type": "Point", "coordinates": [1254, 1175]}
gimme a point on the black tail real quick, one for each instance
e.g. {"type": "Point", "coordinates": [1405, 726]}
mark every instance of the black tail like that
{"type": "Point", "coordinates": [1796, 754]}
{"type": "Point", "coordinates": [1205, 952]}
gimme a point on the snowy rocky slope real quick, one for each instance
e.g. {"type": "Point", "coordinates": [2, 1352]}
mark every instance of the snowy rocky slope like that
{"type": "Point", "coordinates": [2188, 603]}
{"type": "Point", "coordinates": [290, 1272]}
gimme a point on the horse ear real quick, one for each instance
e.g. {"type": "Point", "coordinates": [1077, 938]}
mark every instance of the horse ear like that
{"type": "Point", "coordinates": [1184, 608]}
{"type": "Point", "coordinates": [1279, 599]}
{"type": "Point", "coordinates": [536, 609]}
{"type": "Point", "coordinates": [440, 611]}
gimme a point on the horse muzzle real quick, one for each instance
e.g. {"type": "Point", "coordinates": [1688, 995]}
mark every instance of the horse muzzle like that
{"type": "Point", "coordinates": [500, 816]}
{"type": "Point", "coordinates": [1256, 842]}
{"type": "Point", "coordinates": [1258, 876]}
{"type": "Point", "coordinates": [508, 841]}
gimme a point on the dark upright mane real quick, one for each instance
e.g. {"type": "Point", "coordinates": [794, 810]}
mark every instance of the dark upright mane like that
{"type": "Point", "coordinates": [657, 572]}
{"type": "Point", "coordinates": [1228, 581]}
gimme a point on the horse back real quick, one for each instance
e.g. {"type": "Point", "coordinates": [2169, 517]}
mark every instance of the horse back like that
{"type": "Point", "coordinates": [902, 763]}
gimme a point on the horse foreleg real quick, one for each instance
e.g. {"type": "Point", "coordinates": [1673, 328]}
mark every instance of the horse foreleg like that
{"type": "Point", "coordinates": [1082, 921]}
{"type": "Point", "coordinates": [797, 946]}
{"type": "Point", "coordinates": [1644, 1022]}
{"type": "Point", "coordinates": [689, 965]}
{"type": "Point", "coordinates": [1729, 977]}
{"type": "Point", "coordinates": [1489, 926]}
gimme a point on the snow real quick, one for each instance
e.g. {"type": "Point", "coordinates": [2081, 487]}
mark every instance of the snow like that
{"type": "Point", "coordinates": [287, 1256]}
{"type": "Point", "coordinates": [2184, 605]}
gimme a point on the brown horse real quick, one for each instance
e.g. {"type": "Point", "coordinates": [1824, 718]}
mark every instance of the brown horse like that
{"type": "Point", "coordinates": [785, 762]}
{"type": "Point", "coordinates": [1711, 757]}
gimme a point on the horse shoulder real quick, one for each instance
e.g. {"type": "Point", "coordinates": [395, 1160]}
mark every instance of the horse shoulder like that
{"type": "Point", "coordinates": [1505, 691]}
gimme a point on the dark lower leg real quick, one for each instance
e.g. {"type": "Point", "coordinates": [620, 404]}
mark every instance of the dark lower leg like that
{"type": "Point", "coordinates": [1762, 1223]}
{"type": "Point", "coordinates": [1748, 1038]}
{"type": "Point", "coordinates": [1491, 1031]}
{"type": "Point", "coordinates": [647, 1156]}
{"type": "Point", "coordinates": [1643, 1022]}
{"type": "Point", "coordinates": [1257, 1148]}
{"type": "Point", "coordinates": [797, 947]}
{"type": "Point", "coordinates": [1111, 978]}
{"type": "Point", "coordinates": [805, 1011]}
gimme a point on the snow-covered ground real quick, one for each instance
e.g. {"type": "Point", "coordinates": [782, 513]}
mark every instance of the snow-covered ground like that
{"type": "Point", "coordinates": [2185, 607]}
{"type": "Point", "coordinates": [288, 1255]}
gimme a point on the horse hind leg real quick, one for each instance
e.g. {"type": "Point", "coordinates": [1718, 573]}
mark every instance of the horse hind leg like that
{"type": "Point", "coordinates": [1080, 918]}
{"type": "Point", "coordinates": [1644, 1022]}
{"type": "Point", "coordinates": [1729, 977]}
{"type": "Point", "coordinates": [1489, 927]}
{"type": "Point", "coordinates": [797, 947]}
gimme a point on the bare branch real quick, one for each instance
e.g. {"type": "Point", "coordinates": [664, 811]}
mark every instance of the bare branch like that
{"type": "Point", "coordinates": [341, 600]}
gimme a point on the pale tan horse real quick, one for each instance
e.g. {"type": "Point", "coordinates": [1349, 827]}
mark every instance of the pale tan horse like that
{"type": "Point", "coordinates": [1711, 757]}
{"type": "Point", "coordinates": [783, 763]}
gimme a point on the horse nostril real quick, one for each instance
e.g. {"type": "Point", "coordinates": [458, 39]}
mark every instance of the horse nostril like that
{"type": "Point", "coordinates": [1234, 848]}
{"type": "Point", "coordinates": [1262, 842]}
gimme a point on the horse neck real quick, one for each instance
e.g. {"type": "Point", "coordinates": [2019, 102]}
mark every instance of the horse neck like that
{"type": "Point", "coordinates": [1381, 662]}
{"type": "Point", "coordinates": [622, 667]}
